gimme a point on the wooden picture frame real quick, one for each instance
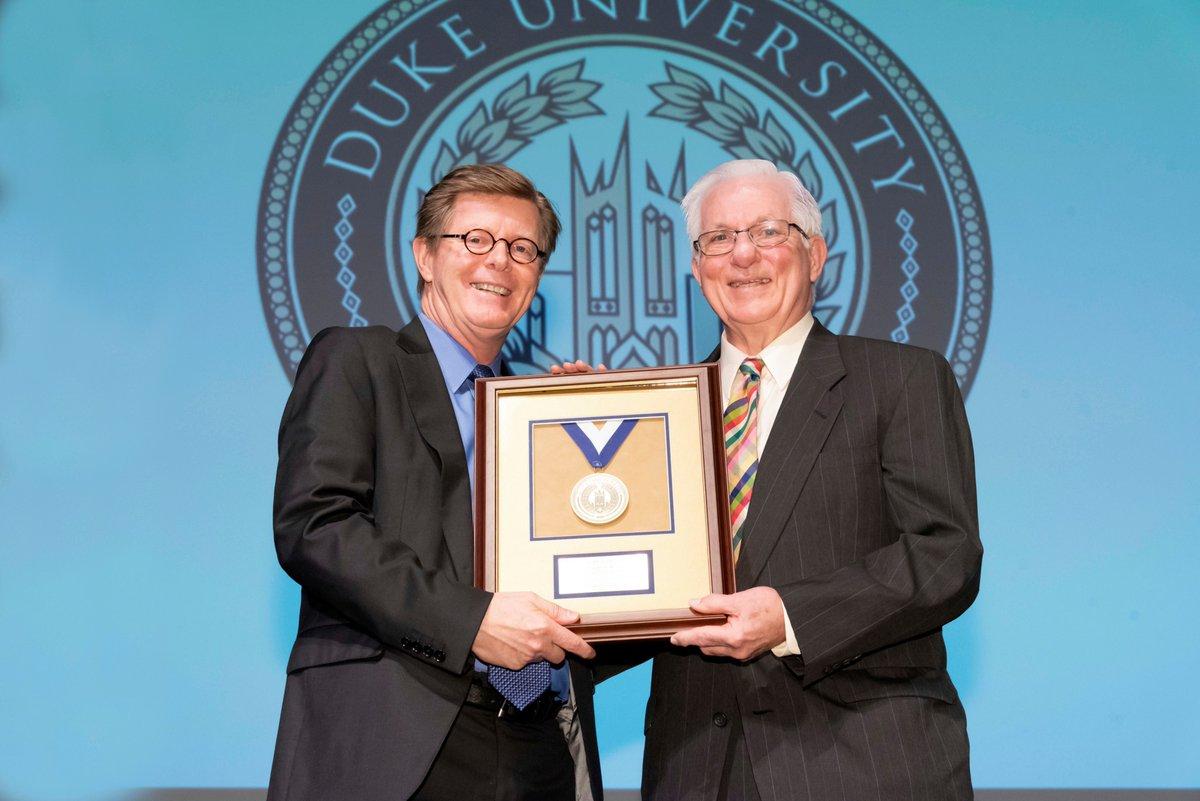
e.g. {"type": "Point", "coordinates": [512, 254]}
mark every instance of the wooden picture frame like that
{"type": "Point", "coordinates": [605, 492]}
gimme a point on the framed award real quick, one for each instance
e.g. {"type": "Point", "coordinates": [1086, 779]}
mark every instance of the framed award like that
{"type": "Point", "coordinates": [605, 492]}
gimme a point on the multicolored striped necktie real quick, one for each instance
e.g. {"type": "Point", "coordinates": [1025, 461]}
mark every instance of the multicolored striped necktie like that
{"type": "Point", "coordinates": [741, 446]}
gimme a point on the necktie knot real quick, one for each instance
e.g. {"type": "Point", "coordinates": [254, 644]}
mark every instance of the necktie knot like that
{"type": "Point", "coordinates": [477, 372]}
{"type": "Point", "coordinates": [752, 369]}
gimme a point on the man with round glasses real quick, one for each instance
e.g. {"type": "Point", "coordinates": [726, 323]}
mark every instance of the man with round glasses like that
{"type": "Point", "coordinates": [855, 537]}
{"type": "Point", "coordinates": [405, 680]}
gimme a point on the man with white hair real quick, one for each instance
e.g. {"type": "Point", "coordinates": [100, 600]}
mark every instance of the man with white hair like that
{"type": "Point", "coordinates": [855, 536]}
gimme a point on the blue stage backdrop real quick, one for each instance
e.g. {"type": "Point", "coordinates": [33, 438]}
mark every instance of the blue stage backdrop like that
{"type": "Point", "coordinates": [190, 191]}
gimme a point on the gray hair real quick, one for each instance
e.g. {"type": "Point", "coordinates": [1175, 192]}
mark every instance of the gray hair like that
{"type": "Point", "coordinates": [805, 211]}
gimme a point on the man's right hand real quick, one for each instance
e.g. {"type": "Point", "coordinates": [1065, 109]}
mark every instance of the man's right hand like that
{"type": "Point", "coordinates": [577, 366]}
{"type": "Point", "coordinates": [522, 627]}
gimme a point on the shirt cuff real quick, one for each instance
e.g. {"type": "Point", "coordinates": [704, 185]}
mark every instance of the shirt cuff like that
{"type": "Point", "coordinates": [788, 647]}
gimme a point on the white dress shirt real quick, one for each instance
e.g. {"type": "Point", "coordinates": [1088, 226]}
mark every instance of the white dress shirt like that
{"type": "Point", "coordinates": [779, 361]}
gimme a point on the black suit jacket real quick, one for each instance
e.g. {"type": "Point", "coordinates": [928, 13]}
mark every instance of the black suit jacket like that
{"type": "Point", "coordinates": [863, 517]}
{"type": "Point", "coordinates": [373, 520]}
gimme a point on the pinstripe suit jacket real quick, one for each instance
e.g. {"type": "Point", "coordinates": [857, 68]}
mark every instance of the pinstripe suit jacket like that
{"type": "Point", "coordinates": [863, 517]}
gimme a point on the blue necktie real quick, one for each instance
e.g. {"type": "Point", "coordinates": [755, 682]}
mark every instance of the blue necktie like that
{"type": "Point", "coordinates": [521, 687]}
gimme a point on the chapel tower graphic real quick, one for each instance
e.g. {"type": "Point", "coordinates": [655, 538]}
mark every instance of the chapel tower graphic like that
{"type": "Point", "coordinates": [625, 316]}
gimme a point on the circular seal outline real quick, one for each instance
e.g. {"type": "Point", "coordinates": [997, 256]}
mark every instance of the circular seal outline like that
{"type": "Point", "coordinates": [275, 206]}
{"type": "Point", "coordinates": [973, 311]}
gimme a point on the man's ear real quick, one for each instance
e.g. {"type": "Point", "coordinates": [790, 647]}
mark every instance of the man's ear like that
{"type": "Point", "coordinates": [420, 249]}
{"type": "Point", "coordinates": [818, 251]}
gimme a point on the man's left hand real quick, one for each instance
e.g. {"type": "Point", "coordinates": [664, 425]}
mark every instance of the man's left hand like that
{"type": "Point", "coordinates": [754, 624]}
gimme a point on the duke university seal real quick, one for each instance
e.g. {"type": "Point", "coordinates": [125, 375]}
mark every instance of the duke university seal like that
{"type": "Point", "coordinates": [613, 107]}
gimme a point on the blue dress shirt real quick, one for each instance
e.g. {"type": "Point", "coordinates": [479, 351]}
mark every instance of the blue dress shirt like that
{"type": "Point", "coordinates": [457, 363]}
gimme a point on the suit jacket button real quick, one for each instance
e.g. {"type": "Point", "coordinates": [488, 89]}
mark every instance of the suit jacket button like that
{"type": "Point", "coordinates": [720, 720]}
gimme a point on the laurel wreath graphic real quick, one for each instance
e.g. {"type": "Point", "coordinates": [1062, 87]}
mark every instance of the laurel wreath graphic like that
{"type": "Point", "coordinates": [732, 120]}
{"type": "Point", "coordinates": [518, 114]}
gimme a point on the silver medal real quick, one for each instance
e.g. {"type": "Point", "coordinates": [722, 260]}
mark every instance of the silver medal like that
{"type": "Point", "coordinates": [599, 498]}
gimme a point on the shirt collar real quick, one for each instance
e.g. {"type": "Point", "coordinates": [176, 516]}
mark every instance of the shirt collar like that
{"type": "Point", "coordinates": [455, 361]}
{"type": "Point", "coordinates": [779, 358]}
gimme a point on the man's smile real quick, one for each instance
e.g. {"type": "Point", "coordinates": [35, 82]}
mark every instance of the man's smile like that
{"type": "Point", "coordinates": [494, 289]}
{"type": "Point", "coordinates": [748, 282]}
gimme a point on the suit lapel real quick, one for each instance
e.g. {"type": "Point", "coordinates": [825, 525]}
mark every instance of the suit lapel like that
{"type": "Point", "coordinates": [810, 407]}
{"type": "Point", "coordinates": [430, 406]}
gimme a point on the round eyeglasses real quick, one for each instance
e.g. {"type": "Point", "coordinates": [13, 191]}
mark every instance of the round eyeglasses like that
{"type": "Point", "coordinates": [479, 242]}
{"type": "Point", "coordinates": [764, 235]}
